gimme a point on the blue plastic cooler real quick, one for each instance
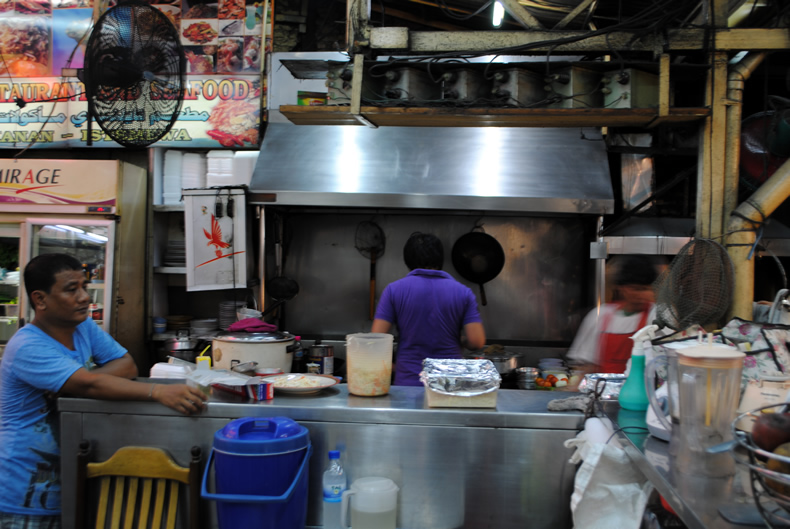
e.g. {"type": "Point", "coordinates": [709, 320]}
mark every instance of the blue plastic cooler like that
{"type": "Point", "coordinates": [261, 473]}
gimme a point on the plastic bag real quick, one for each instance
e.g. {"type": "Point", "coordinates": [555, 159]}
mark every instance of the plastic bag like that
{"type": "Point", "coordinates": [609, 491]}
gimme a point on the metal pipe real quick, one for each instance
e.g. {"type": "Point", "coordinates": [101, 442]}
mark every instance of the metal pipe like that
{"type": "Point", "coordinates": [744, 269]}
{"type": "Point", "coordinates": [736, 78]}
{"type": "Point", "coordinates": [742, 236]}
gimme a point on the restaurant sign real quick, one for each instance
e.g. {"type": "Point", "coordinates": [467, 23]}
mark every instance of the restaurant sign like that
{"type": "Point", "coordinates": [61, 182]}
{"type": "Point", "coordinates": [217, 111]}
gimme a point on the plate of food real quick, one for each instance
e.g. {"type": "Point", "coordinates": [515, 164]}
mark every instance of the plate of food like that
{"type": "Point", "coordinates": [202, 32]}
{"type": "Point", "coordinates": [302, 383]}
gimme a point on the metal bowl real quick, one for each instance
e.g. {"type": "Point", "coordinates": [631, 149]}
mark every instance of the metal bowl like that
{"type": "Point", "coordinates": [504, 361]}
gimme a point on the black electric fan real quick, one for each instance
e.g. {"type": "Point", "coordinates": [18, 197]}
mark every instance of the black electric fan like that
{"type": "Point", "coordinates": [134, 74]}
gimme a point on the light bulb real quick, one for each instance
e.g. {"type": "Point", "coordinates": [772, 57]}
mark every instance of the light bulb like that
{"type": "Point", "coordinates": [499, 13]}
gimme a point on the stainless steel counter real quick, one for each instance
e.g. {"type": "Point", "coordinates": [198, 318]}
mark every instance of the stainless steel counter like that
{"type": "Point", "coordinates": [696, 499]}
{"type": "Point", "coordinates": [456, 467]}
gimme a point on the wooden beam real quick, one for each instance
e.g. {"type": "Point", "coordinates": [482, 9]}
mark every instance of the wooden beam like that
{"type": "Point", "coordinates": [710, 219]}
{"type": "Point", "coordinates": [523, 17]}
{"type": "Point", "coordinates": [579, 42]}
{"type": "Point", "coordinates": [567, 19]}
{"type": "Point", "coordinates": [663, 85]}
{"type": "Point", "coordinates": [402, 15]}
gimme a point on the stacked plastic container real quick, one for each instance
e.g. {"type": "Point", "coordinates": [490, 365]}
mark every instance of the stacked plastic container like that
{"type": "Point", "coordinates": [220, 169]}
{"type": "Point", "coordinates": [193, 171]}
{"type": "Point", "coordinates": [171, 187]}
{"type": "Point", "coordinates": [243, 166]}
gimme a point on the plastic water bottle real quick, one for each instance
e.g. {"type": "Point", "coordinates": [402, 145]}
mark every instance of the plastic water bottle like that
{"type": "Point", "coordinates": [334, 483]}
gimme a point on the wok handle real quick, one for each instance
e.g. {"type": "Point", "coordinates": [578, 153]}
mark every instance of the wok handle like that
{"type": "Point", "coordinates": [372, 287]}
{"type": "Point", "coordinates": [482, 295]}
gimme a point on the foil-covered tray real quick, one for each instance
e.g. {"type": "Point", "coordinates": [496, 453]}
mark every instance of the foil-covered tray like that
{"type": "Point", "coordinates": [460, 377]}
{"type": "Point", "coordinates": [610, 384]}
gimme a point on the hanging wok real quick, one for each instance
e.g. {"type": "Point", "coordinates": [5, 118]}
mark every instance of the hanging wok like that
{"type": "Point", "coordinates": [479, 258]}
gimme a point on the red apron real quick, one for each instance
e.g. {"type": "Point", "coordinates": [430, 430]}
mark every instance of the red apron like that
{"type": "Point", "coordinates": [615, 349]}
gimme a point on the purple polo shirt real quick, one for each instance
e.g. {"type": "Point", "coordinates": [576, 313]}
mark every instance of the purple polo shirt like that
{"type": "Point", "coordinates": [430, 309]}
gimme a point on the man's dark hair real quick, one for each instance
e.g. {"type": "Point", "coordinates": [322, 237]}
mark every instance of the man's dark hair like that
{"type": "Point", "coordinates": [423, 250]}
{"type": "Point", "coordinates": [636, 270]}
{"type": "Point", "coordinates": [40, 272]}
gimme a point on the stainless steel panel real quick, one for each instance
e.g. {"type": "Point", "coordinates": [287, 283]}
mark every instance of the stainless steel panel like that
{"type": "Point", "coordinates": [456, 468]}
{"type": "Point", "coordinates": [538, 296]}
{"type": "Point", "coordinates": [403, 405]}
{"type": "Point", "coordinates": [500, 168]}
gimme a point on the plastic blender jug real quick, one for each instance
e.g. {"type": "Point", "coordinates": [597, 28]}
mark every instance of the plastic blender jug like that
{"type": "Point", "coordinates": [369, 363]}
{"type": "Point", "coordinates": [374, 504]}
{"type": "Point", "coordinates": [709, 388]}
{"type": "Point", "coordinates": [672, 413]}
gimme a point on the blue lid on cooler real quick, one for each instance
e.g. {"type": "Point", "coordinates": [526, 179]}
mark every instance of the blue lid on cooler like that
{"type": "Point", "coordinates": [261, 435]}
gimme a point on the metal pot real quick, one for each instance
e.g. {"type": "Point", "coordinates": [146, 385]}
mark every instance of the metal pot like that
{"type": "Point", "coordinates": [267, 349]}
{"type": "Point", "coordinates": [504, 361]}
{"type": "Point", "coordinates": [182, 346]}
{"type": "Point", "coordinates": [478, 257]}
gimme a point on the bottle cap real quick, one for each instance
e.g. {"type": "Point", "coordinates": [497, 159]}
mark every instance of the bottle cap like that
{"type": "Point", "coordinates": [334, 454]}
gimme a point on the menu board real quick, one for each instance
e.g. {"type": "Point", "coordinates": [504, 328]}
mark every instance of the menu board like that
{"type": "Point", "coordinates": [224, 45]}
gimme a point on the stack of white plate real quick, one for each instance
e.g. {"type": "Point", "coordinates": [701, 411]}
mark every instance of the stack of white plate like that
{"type": "Point", "coordinates": [220, 168]}
{"type": "Point", "coordinates": [171, 189]}
{"type": "Point", "coordinates": [227, 313]}
{"type": "Point", "coordinates": [202, 327]}
{"type": "Point", "coordinates": [193, 171]}
{"type": "Point", "coordinates": [176, 254]}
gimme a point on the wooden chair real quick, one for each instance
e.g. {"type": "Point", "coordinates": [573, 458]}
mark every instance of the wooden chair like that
{"type": "Point", "coordinates": [138, 487]}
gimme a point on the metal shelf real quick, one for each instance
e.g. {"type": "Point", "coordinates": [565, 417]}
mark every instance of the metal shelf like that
{"type": "Point", "coordinates": [168, 208]}
{"type": "Point", "coordinates": [170, 270]}
{"type": "Point", "coordinates": [491, 117]}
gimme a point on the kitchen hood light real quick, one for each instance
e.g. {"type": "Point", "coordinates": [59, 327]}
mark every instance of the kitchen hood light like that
{"type": "Point", "coordinates": [69, 228]}
{"type": "Point", "coordinates": [499, 14]}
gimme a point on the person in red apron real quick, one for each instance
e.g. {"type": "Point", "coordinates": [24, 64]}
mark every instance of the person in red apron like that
{"type": "Point", "coordinates": [603, 342]}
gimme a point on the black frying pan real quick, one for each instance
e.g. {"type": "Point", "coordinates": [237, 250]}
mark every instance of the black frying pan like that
{"type": "Point", "coordinates": [479, 258]}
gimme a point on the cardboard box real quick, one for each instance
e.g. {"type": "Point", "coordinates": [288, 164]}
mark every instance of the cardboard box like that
{"type": "Point", "coordinates": [441, 400]}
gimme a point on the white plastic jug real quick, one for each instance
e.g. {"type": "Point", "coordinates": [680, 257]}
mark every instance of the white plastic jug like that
{"type": "Point", "coordinates": [374, 504]}
{"type": "Point", "coordinates": [369, 363]}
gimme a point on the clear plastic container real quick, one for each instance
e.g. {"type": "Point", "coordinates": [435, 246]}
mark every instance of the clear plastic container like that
{"type": "Point", "coordinates": [369, 363]}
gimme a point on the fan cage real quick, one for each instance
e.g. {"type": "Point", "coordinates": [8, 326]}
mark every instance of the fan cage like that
{"type": "Point", "coordinates": [134, 74]}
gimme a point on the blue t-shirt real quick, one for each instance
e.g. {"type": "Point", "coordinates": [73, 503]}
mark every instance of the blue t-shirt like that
{"type": "Point", "coordinates": [34, 363]}
{"type": "Point", "coordinates": [430, 309]}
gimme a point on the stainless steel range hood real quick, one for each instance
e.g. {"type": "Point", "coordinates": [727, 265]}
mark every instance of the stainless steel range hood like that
{"type": "Point", "coordinates": [484, 168]}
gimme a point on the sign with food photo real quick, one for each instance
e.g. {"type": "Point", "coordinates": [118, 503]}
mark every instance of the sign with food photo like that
{"type": "Point", "coordinates": [218, 111]}
{"type": "Point", "coordinates": [223, 44]}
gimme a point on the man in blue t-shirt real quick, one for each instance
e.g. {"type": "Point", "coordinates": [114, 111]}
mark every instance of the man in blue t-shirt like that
{"type": "Point", "coordinates": [61, 351]}
{"type": "Point", "coordinates": [435, 314]}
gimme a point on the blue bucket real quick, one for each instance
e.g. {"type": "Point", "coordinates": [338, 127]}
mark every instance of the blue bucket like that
{"type": "Point", "coordinates": [261, 473]}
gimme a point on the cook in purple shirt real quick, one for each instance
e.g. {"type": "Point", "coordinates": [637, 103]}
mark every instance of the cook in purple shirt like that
{"type": "Point", "coordinates": [435, 314]}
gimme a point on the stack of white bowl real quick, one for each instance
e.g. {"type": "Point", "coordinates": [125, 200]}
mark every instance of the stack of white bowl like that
{"type": "Point", "coordinates": [552, 366]}
{"type": "Point", "coordinates": [171, 191]}
{"type": "Point", "coordinates": [220, 169]}
{"type": "Point", "coordinates": [193, 171]}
